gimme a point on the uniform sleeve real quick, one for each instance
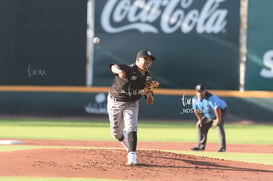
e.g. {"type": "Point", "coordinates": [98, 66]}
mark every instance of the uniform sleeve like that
{"type": "Point", "coordinates": [121, 66]}
{"type": "Point", "coordinates": [215, 102]}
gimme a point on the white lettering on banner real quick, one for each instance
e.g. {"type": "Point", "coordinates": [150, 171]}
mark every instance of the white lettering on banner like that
{"type": "Point", "coordinates": [33, 71]}
{"type": "Point", "coordinates": [99, 106]}
{"type": "Point", "coordinates": [140, 15]}
{"type": "Point", "coordinates": [268, 62]}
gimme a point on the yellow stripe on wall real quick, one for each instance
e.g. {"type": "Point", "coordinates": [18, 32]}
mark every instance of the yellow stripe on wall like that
{"type": "Point", "coordinates": [221, 93]}
{"type": "Point", "coordinates": [95, 89]}
{"type": "Point", "coordinates": [76, 89]}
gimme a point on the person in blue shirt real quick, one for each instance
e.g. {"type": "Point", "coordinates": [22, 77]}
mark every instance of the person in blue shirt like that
{"type": "Point", "coordinates": [210, 110]}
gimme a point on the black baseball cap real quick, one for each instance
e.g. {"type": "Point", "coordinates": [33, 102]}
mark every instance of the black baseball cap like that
{"type": "Point", "coordinates": [200, 88]}
{"type": "Point", "coordinates": [145, 53]}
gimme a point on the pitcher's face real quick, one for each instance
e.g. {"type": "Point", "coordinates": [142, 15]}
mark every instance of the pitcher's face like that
{"type": "Point", "coordinates": [144, 63]}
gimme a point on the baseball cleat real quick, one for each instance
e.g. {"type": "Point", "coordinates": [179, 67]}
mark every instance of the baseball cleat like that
{"type": "Point", "coordinates": [132, 158]}
{"type": "Point", "coordinates": [222, 150]}
{"type": "Point", "coordinates": [197, 149]}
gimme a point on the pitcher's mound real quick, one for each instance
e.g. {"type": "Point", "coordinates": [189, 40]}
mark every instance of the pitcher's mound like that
{"type": "Point", "coordinates": [111, 164]}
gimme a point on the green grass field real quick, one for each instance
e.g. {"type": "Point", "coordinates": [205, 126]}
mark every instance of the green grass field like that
{"type": "Point", "coordinates": [148, 131]}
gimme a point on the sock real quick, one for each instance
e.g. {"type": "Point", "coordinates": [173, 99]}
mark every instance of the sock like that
{"type": "Point", "coordinates": [132, 139]}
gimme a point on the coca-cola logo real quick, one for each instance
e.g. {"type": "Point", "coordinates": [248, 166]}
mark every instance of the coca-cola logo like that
{"type": "Point", "coordinates": [173, 15]}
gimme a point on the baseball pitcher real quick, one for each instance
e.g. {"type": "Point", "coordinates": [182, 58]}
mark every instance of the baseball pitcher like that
{"type": "Point", "coordinates": [131, 82]}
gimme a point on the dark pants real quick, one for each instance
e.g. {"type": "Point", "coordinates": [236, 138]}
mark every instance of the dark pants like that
{"type": "Point", "coordinates": [206, 125]}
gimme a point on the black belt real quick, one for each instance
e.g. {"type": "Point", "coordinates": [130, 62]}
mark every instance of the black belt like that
{"type": "Point", "coordinates": [117, 99]}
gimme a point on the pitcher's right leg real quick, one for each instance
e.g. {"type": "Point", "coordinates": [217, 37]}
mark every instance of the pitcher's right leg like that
{"type": "Point", "coordinates": [115, 113]}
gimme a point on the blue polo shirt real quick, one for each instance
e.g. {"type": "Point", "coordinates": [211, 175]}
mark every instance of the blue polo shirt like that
{"type": "Point", "coordinates": [208, 104]}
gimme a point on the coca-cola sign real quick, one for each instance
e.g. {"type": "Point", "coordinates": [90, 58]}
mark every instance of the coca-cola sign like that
{"type": "Point", "coordinates": [173, 16]}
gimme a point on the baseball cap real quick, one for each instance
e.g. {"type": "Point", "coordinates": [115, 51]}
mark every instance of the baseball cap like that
{"type": "Point", "coordinates": [145, 53]}
{"type": "Point", "coordinates": [200, 88]}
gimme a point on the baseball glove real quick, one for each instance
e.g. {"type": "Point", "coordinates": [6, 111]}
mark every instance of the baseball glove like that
{"type": "Point", "coordinates": [150, 85]}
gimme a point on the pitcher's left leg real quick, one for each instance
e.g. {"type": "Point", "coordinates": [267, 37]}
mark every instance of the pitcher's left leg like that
{"type": "Point", "coordinates": [131, 125]}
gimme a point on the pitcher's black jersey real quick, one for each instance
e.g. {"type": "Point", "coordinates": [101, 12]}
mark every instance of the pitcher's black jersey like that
{"type": "Point", "coordinates": [129, 89]}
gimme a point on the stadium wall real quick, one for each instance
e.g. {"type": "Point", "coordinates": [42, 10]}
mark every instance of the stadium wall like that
{"type": "Point", "coordinates": [43, 51]}
{"type": "Point", "coordinates": [43, 42]}
{"type": "Point", "coordinates": [170, 104]}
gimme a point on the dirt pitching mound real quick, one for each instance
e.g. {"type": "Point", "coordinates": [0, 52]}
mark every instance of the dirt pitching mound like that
{"type": "Point", "coordinates": [111, 163]}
